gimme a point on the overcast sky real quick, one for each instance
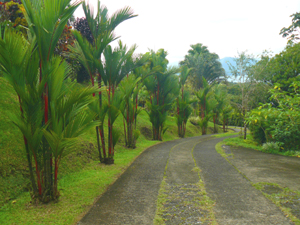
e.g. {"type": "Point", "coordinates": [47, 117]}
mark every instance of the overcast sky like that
{"type": "Point", "coordinates": [224, 26]}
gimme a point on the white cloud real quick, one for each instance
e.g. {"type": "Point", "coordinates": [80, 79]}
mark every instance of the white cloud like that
{"type": "Point", "coordinates": [224, 26]}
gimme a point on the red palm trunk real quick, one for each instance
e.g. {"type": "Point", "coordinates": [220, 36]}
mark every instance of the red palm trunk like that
{"type": "Point", "coordinates": [93, 84]}
{"type": "Point", "coordinates": [103, 142]}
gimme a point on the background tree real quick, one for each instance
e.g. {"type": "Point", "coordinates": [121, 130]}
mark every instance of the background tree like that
{"type": "Point", "coordinates": [283, 68]}
{"type": "Point", "coordinates": [163, 89]}
{"type": "Point", "coordinates": [292, 32]}
{"type": "Point", "coordinates": [241, 73]}
{"type": "Point", "coordinates": [184, 109]}
{"type": "Point", "coordinates": [219, 96]}
{"type": "Point", "coordinates": [205, 106]}
{"type": "Point", "coordinates": [205, 64]}
{"type": "Point", "coordinates": [12, 15]}
{"type": "Point", "coordinates": [226, 113]}
{"type": "Point", "coordinates": [82, 26]}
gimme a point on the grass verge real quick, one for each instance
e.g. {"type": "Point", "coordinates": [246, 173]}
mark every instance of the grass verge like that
{"type": "Point", "coordinates": [286, 199]}
{"type": "Point", "coordinates": [251, 143]}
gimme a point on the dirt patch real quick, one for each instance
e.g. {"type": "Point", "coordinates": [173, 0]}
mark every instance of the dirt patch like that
{"type": "Point", "coordinates": [147, 132]}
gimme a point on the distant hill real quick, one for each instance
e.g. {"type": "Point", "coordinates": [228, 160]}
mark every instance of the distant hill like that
{"type": "Point", "coordinates": [225, 65]}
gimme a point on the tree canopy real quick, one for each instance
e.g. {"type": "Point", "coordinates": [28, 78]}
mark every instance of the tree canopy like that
{"type": "Point", "coordinates": [204, 64]}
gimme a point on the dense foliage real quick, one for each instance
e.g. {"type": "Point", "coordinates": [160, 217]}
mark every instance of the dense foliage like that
{"type": "Point", "coordinates": [278, 121]}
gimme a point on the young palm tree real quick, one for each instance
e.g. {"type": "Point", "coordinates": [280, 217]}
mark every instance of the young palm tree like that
{"type": "Point", "coordinates": [184, 109]}
{"type": "Point", "coordinates": [89, 55]}
{"type": "Point", "coordinates": [220, 99]}
{"type": "Point", "coordinates": [203, 94]}
{"type": "Point", "coordinates": [129, 87]}
{"type": "Point", "coordinates": [225, 114]}
{"type": "Point", "coordinates": [119, 62]}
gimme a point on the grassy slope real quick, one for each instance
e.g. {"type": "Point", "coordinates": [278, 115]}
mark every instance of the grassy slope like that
{"type": "Point", "coordinates": [12, 158]}
{"type": "Point", "coordinates": [81, 178]}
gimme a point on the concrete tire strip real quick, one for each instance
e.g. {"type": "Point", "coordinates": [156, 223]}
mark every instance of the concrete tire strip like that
{"type": "Point", "coordinates": [132, 199]}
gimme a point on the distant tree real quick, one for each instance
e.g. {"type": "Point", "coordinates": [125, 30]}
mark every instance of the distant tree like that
{"type": "Point", "coordinates": [220, 101]}
{"type": "Point", "coordinates": [241, 71]}
{"type": "Point", "coordinates": [184, 109]}
{"type": "Point", "coordinates": [82, 26]}
{"type": "Point", "coordinates": [205, 64]}
{"type": "Point", "coordinates": [225, 115]}
{"type": "Point", "coordinates": [206, 106]}
{"type": "Point", "coordinates": [283, 68]}
{"type": "Point", "coordinates": [12, 15]}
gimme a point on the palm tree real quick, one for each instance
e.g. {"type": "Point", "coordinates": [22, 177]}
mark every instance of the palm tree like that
{"type": "Point", "coordinates": [220, 98]}
{"type": "Point", "coordinates": [226, 112]}
{"type": "Point", "coordinates": [163, 89]}
{"type": "Point", "coordinates": [184, 109]}
{"type": "Point", "coordinates": [89, 54]}
{"type": "Point", "coordinates": [46, 141]}
{"type": "Point", "coordinates": [119, 62]}
{"type": "Point", "coordinates": [205, 106]}
{"type": "Point", "coordinates": [129, 88]}
{"type": "Point", "coordinates": [46, 21]}
{"type": "Point", "coordinates": [204, 64]}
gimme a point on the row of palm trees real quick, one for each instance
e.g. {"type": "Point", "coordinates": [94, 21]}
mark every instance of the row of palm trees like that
{"type": "Point", "coordinates": [54, 112]}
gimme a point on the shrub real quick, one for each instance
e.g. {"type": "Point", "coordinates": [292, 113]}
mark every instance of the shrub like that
{"type": "Point", "coordinates": [195, 120]}
{"type": "Point", "coordinates": [271, 147]}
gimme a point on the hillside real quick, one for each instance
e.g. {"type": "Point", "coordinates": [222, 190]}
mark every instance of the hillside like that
{"type": "Point", "coordinates": [13, 164]}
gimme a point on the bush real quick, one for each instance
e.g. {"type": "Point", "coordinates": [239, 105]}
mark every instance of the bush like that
{"type": "Point", "coordinates": [271, 147]}
{"type": "Point", "coordinates": [258, 133]}
{"type": "Point", "coordinates": [278, 121]}
{"type": "Point", "coordinates": [195, 120]}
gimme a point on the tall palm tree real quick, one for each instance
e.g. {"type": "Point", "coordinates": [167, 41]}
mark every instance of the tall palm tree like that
{"type": "Point", "coordinates": [220, 98]}
{"type": "Point", "coordinates": [129, 88]}
{"type": "Point", "coordinates": [163, 89]}
{"type": "Point", "coordinates": [46, 142]}
{"type": "Point", "coordinates": [184, 109]}
{"type": "Point", "coordinates": [225, 114]}
{"type": "Point", "coordinates": [46, 21]}
{"type": "Point", "coordinates": [89, 54]}
{"type": "Point", "coordinates": [205, 64]}
{"type": "Point", "coordinates": [205, 106]}
{"type": "Point", "coordinates": [119, 62]}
